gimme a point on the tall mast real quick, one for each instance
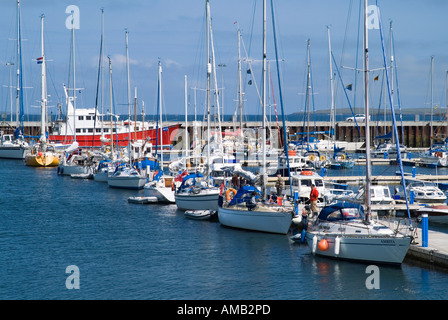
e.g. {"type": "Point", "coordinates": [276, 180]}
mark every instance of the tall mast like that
{"type": "Point", "coordinates": [263, 173]}
{"type": "Point", "coordinates": [432, 98]}
{"type": "Point", "coordinates": [160, 115]}
{"type": "Point", "coordinates": [308, 90]}
{"type": "Point", "coordinates": [43, 102]}
{"type": "Point", "coordinates": [19, 96]}
{"type": "Point", "coordinates": [366, 106]}
{"type": "Point", "coordinates": [129, 84]}
{"type": "Point", "coordinates": [186, 118]}
{"type": "Point", "coordinates": [240, 83]}
{"type": "Point", "coordinates": [209, 71]}
{"type": "Point", "coordinates": [111, 110]}
{"type": "Point", "coordinates": [74, 75]}
{"type": "Point", "coordinates": [333, 109]}
{"type": "Point", "coordinates": [135, 115]}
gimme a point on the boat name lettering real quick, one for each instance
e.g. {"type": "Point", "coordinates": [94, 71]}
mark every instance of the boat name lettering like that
{"type": "Point", "coordinates": [387, 241]}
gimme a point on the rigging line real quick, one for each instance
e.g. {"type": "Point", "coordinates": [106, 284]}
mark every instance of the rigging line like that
{"type": "Point", "coordinates": [403, 181]}
{"type": "Point", "coordinates": [345, 91]}
{"type": "Point", "coordinates": [281, 96]}
{"type": "Point", "coordinates": [397, 87]}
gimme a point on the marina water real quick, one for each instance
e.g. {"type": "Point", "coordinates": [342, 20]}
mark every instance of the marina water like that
{"type": "Point", "coordinates": [131, 251]}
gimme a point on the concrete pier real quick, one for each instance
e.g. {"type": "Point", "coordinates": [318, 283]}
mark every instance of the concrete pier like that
{"type": "Point", "coordinates": [437, 251]}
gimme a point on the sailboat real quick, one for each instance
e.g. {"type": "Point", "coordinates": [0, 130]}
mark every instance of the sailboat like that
{"type": "Point", "coordinates": [43, 154]}
{"type": "Point", "coordinates": [194, 193]}
{"type": "Point", "coordinates": [13, 146]}
{"type": "Point", "coordinates": [125, 174]}
{"type": "Point", "coordinates": [162, 186]}
{"type": "Point", "coordinates": [258, 216]}
{"type": "Point", "coordinates": [344, 230]}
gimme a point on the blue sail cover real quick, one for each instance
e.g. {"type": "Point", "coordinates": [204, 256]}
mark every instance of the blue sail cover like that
{"type": "Point", "coordinates": [241, 194]}
{"type": "Point", "coordinates": [187, 178]}
{"type": "Point", "coordinates": [328, 210]}
{"type": "Point", "coordinates": [387, 136]}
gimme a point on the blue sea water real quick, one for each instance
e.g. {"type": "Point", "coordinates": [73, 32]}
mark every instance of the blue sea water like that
{"type": "Point", "coordinates": [130, 251]}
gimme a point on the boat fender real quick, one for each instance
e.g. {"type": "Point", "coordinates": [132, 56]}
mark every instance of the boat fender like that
{"type": "Point", "coordinates": [323, 245]}
{"type": "Point", "coordinates": [322, 158]}
{"type": "Point", "coordinates": [343, 157]}
{"type": "Point", "coordinates": [311, 157]}
{"type": "Point", "coordinates": [314, 244]}
{"type": "Point", "coordinates": [228, 197]}
{"type": "Point", "coordinates": [337, 246]}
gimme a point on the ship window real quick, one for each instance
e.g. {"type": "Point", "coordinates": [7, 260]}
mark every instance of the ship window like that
{"type": "Point", "coordinates": [98, 130]}
{"type": "Point", "coordinates": [90, 130]}
{"type": "Point", "coordinates": [80, 117]}
{"type": "Point", "coordinates": [78, 130]}
{"type": "Point", "coordinates": [88, 118]}
{"type": "Point", "coordinates": [106, 130]}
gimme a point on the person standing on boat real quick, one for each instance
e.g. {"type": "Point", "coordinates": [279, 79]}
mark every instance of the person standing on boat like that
{"type": "Point", "coordinates": [279, 185]}
{"type": "Point", "coordinates": [314, 195]}
{"type": "Point", "coordinates": [235, 181]}
{"type": "Point", "coordinates": [252, 202]}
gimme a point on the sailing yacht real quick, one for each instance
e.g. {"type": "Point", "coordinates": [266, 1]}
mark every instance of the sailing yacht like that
{"type": "Point", "coordinates": [240, 213]}
{"type": "Point", "coordinates": [343, 230]}
{"type": "Point", "coordinates": [13, 146]}
{"type": "Point", "coordinates": [43, 154]}
{"type": "Point", "coordinates": [162, 186]}
{"type": "Point", "coordinates": [195, 193]}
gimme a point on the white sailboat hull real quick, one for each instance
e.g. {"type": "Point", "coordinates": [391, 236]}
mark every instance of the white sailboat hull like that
{"type": "Point", "coordinates": [126, 182]}
{"type": "Point", "coordinates": [379, 249]}
{"type": "Point", "coordinates": [68, 170]}
{"type": "Point", "coordinates": [256, 220]}
{"type": "Point", "coordinates": [201, 201]}
{"type": "Point", "coordinates": [13, 152]}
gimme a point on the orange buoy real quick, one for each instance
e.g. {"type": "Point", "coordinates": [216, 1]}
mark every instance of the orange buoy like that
{"type": "Point", "coordinates": [228, 192]}
{"type": "Point", "coordinates": [40, 154]}
{"type": "Point", "coordinates": [322, 245]}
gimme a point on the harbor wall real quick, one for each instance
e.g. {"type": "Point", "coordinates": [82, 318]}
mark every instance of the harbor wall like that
{"type": "Point", "coordinates": [417, 134]}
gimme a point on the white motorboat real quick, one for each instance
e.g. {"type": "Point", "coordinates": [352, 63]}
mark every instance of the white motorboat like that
{"type": "Point", "coordinates": [11, 148]}
{"type": "Point", "coordinates": [424, 191]}
{"type": "Point", "coordinates": [126, 177]}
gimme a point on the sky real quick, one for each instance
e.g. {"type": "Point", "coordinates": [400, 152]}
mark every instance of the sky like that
{"type": "Point", "coordinates": [173, 32]}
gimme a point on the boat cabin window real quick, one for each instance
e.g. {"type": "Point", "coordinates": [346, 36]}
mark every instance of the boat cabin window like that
{"type": "Point", "coordinates": [80, 117]}
{"type": "Point", "coordinates": [88, 118]}
{"type": "Point", "coordinates": [7, 138]}
{"type": "Point", "coordinates": [319, 183]}
{"type": "Point", "coordinates": [344, 214]}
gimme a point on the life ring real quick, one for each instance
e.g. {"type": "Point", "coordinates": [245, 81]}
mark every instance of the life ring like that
{"type": "Point", "coordinates": [228, 193]}
{"type": "Point", "coordinates": [322, 158]}
{"type": "Point", "coordinates": [311, 158]}
{"type": "Point", "coordinates": [343, 156]}
{"type": "Point", "coordinates": [307, 173]}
